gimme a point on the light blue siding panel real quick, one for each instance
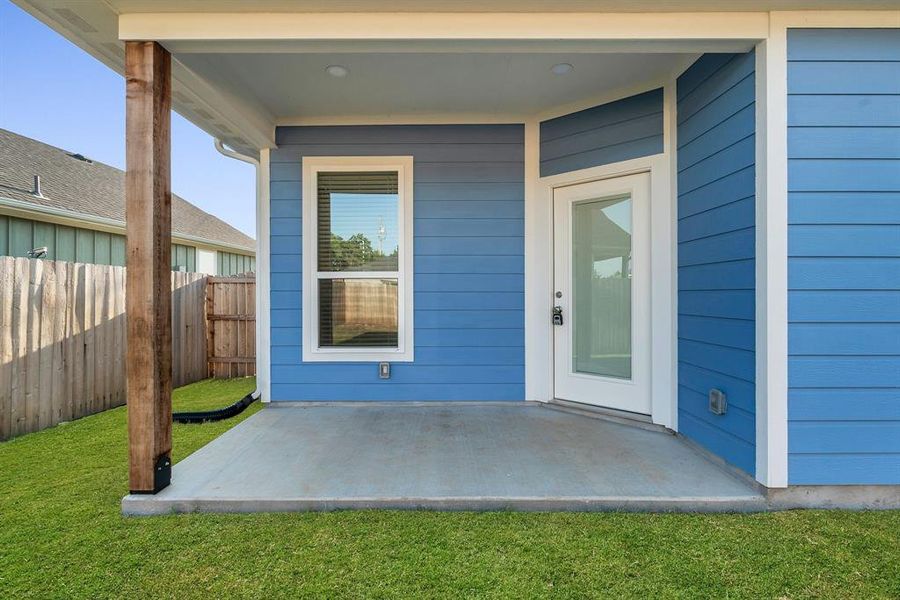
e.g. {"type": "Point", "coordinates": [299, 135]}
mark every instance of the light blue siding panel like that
{"type": "Point", "coordinates": [462, 209]}
{"type": "Point", "coordinates": [842, 77]}
{"type": "Point", "coordinates": [813, 437]}
{"type": "Point", "coordinates": [844, 208]}
{"type": "Point", "coordinates": [469, 282]}
{"type": "Point", "coordinates": [286, 226]}
{"type": "Point", "coordinates": [468, 264]}
{"type": "Point", "coordinates": [596, 139]}
{"type": "Point", "coordinates": [452, 338]}
{"type": "Point", "coordinates": [285, 244]}
{"type": "Point", "coordinates": [470, 172]}
{"type": "Point", "coordinates": [285, 317]}
{"type": "Point", "coordinates": [730, 103]}
{"type": "Point", "coordinates": [844, 142]}
{"type": "Point", "coordinates": [734, 158]}
{"type": "Point", "coordinates": [733, 333]}
{"type": "Point", "coordinates": [737, 275]}
{"type": "Point", "coordinates": [284, 190]}
{"type": "Point", "coordinates": [401, 373]}
{"type": "Point", "coordinates": [605, 155]}
{"type": "Point", "coordinates": [715, 221]}
{"type": "Point", "coordinates": [285, 300]}
{"type": "Point", "coordinates": [286, 355]}
{"type": "Point", "coordinates": [389, 391]}
{"type": "Point", "coordinates": [728, 361]}
{"type": "Point", "coordinates": [837, 306]}
{"type": "Point", "coordinates": [844, 274]}
{"type": "Point", "coordinates": [604, 115]}
{"type": "Point", "coordinates": [741, 393]}
{"type": "Point", "coordinates": [469, 319]}
{"type": "Point", "coordinates": [720, 247]}
{"type": "Point", "coordinates": [285, 336]}
{"type": "Point", "coordinates": [738, 126]}
{"type": "Point", "coordinates": [469, 227]}
{"type": "Point", "coordinates": [844, 339]}
{"type": "Point", "coordinates": [358, 138]}
{"type": "Point", "coordinates": [700, 72]}
{"type": "Point", "coordinates": [840, 469]}
{"type": "Point", "coordinates": [469, 246]}
{"type": "Point", "coordinates": [736, 422]}
{"type": "Point", "coordinates": [844, 371]}
{"type": "Point", "coordinates": [289, 155]}
{"type": "Point", "coordinates": [613, 132]}
{"type": "Point", "coordinates": [860, 404]}
{"type": "Point", "coordinates": [285, 263]}
{"type": "Point", "coordinates": [815, 175]}
{"type": "Point", "coordinates": [461, 355]}
{"type": "Point", "coordinates": [724, 190]}
{"type": "Point", "coordinates": [467, 192]}
{"type": "Point", "coordinates": [717, 254]}
{"type": "Point", "coordinates": [734, 450]}
{"type": "Point", "coordinates": [281, 209]}
{"type": "Point", "coordinates": [843, 111]}
{"type": "Point", "coordinates": [285, 282]}
{"type": "Point", "coordinates": [844, 240]}
{"type": "Point", "coordinates": [844, 44]}
{"type": "Point", "coordinates": [717, 77]}
{"type": "Point", "coordinates": [469, 300]}
{"type": "Point", "coordinates": [728, 304]}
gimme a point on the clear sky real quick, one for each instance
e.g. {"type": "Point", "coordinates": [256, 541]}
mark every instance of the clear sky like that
{"type": "Point", "coordinates": [54, 92]}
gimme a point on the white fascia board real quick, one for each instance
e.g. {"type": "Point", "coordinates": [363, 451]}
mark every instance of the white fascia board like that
{"type": "Point", "coordinates": [443, 26]}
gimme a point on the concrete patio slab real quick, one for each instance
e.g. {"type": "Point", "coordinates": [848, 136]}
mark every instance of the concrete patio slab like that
{"type": "Point", "coordinates": [444, 457]}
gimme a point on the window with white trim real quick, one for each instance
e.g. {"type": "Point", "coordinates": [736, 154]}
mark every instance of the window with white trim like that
{"type": "Point", "coordinates": [357, 259]}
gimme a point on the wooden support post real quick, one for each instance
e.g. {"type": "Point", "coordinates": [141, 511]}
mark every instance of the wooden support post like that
{"type": "Point", "coordinates": [148, 215]}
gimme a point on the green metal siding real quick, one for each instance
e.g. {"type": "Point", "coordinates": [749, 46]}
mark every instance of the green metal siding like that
{"type": "Point", "coordinates": [230, 263]}
{"type": "Point", "coordinates": [76, 244]}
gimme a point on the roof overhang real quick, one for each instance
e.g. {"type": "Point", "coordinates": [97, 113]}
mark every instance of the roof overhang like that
{"type": "Point", "coordinates": [221, 87]}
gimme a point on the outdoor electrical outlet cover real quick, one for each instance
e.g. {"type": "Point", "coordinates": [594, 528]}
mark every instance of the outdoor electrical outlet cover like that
{"type": "Point", "coordinates": [384, 370]}
{"type": "Point", "coordinates": [718, 402]}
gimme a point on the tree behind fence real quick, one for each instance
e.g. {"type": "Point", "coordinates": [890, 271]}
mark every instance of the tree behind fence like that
{"type": "Point", "coordinates": [62, 340]}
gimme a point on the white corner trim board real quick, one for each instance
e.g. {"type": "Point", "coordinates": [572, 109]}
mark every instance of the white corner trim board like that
{"type": "Point", "coordinates": [263, 280]}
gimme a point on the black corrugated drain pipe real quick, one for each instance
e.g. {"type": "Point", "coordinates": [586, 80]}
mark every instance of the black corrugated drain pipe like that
{"type": "Point", "coordinates": [218, 414]}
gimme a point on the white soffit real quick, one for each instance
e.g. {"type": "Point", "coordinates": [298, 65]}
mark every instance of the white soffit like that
{"type": "Point", "coordinates": [293, 87]}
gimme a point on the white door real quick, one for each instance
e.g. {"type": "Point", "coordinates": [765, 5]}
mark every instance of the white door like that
{"type": "Point", "coordinates": [602, 293]}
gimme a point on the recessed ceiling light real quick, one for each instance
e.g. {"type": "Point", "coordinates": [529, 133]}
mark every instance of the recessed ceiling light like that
{"type": "Point", "coordinates": [561, 68]}
{"type": "Point", "coordinates": [337, 70]}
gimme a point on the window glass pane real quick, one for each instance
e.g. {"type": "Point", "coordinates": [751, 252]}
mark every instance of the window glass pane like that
{"type": "Point", "coordinates": [358, 312]}
{"type": "Point", "coordinates": [358, 220]}
{"type": "Point", "coordinates": [601, 279]}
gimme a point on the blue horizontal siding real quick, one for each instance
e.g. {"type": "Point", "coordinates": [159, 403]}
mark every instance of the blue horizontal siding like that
{"type": "Point", "coordinates": [613, 132]}
{"type": "Point", "coordinates": [716, 254]}
{"type": "Point", "coordinates": [844, 256]}
{"type": "Point", "coordinates": [468, 264]}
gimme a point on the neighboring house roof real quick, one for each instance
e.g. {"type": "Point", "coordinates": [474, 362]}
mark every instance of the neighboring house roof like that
{"type": "Point", "coordinates": [72, 182]}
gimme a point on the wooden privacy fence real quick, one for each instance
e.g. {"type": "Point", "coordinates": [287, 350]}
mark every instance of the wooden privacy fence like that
{"type": "Point", "coordinates": [62, 340]}
{"type": "Point", "coordinates": [231, 318]}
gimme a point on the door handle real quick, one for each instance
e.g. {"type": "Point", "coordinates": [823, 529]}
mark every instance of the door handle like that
{"type": "Point", "coordinates": [557, 315]}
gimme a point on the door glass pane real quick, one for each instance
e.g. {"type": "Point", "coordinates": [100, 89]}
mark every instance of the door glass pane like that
{"type": "Point", "coordinates": [358, 214]}
{"type": "Point", "coordinates": [601, 287]}
{"type": "Point", "coordinates": [358, 312]}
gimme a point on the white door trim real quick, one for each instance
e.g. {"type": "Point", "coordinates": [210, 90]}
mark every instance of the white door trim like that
{"type": "Point", "coordinates": [539, 274]}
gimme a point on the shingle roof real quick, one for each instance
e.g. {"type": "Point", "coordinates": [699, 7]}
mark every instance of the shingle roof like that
{"type": "Point", "coordinates": [92, 188]}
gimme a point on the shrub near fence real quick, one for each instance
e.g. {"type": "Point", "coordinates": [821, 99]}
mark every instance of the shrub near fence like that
{"type": "Point", "coordinates": [62, 340]}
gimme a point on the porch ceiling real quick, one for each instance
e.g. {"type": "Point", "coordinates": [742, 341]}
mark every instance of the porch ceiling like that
{"type": "Point", "coordinates": [295, 86]}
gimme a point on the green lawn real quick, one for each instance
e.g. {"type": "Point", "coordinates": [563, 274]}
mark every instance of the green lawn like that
{"type": "Point", "coordinates": [61, 535]}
